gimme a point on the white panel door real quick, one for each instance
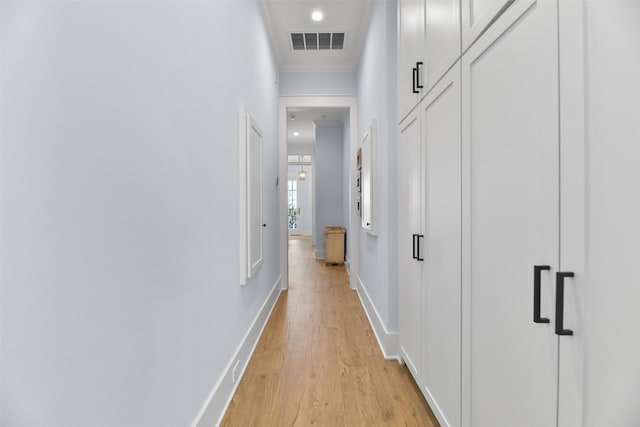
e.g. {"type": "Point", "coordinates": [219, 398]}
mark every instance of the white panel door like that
{"type": "Point", "coordinates": [600, 369]}
{"type": "Point", "coordinates": [442, 38]}
{"type": "Point", "coordinates": [510, 219]}
{"type": "Point", "coordinates": [477, 15]}
{"type": "Point", "coordinates": [410, 53]}
{"type": "Point", "coordinates": [409, 238]}
{"type": "Point", "coordinates": [442, 287]}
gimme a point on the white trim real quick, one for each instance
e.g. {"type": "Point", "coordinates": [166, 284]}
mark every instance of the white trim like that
{"type": "Point", "coordinates": [442, 420]}
{"type": "Point", "coordinates": [218, 401]}
{"type": "Point", "coordinates": [253, 199]}
{"type": "Point", "coordinates": [242, 194]}
{"type": "Point", "coordinates": [319, 254]}
{"type": "Point", "coordinates": [388, 341]}
{"type": "Point", "coordinates": [335, 101]}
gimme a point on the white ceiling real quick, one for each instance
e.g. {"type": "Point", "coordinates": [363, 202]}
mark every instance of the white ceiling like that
{"type": "Point", "coordinates": [283, 17]}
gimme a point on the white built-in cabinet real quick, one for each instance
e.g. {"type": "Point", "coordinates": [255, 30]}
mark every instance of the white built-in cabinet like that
{"type": "Point", "coordinates": [511, 202]}
{"type": "Point", "coordinates": [429, 246]}
{"type": "Point", "coordinates": [440, 120]}
{"type": "Point", "coordinates": [410, 54]}
{"type": "Point", "coordinates": [599, 374]}
{"type": "Point", "coordinates": [518, 218]}
{"type": "Point", "coordinates": [428, 45]}
{"type": "Point", "coordinates": [410, 242]}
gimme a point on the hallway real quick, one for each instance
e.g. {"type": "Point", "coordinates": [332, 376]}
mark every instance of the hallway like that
{"type": "Point", "coordinates": [318, 362]}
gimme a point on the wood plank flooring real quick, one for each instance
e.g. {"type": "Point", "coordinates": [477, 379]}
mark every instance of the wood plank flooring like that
{"type": "Point", "coordinates": [318, 361]}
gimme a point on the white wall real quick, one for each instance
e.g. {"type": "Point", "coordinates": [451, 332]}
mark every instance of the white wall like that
{"type": "Point", "coordinates": [377, 100]}
{"type": "Point", "coordinates": [318, 83]}
{"type": "Point", "coordinates": [119, 268]}
{"type": "Point", "coordinates": [329, 181]}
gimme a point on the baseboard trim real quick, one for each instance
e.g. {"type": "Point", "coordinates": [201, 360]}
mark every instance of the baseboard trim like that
{"type": "Point", "coordinates": [388, 341]}
{"type": "Point", "coordinates": [435, 408]}
{"type": "Point", "coordinates": [347, 265]}
{"type": "Point", "coordinates": [220, 397]}
{"type": "Point", "coordinates": [319, 254]}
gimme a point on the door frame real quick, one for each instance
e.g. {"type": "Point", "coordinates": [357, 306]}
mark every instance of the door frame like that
{"type": "Point", "coordinates": [348, 102]}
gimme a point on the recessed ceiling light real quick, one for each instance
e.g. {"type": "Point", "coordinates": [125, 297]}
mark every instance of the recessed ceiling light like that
{"type": "Point", "coordinates": [296, 133]}
{"type": "Point", "coordinates": [317, 16]}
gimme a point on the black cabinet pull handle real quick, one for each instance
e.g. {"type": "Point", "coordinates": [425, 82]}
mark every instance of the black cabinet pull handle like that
{"type": "Point", "coordinates": [414, 247]}
{"type": "Point", "coordinates": [418, 85]}
{"type": "Point", "coordinates": [415, 74]}
{"type": "Point", "coordinates": [419, 258]}
{"type": "Point", "coordinates": [560, 276]}
{"type": "Point", "coordinates": [536, 293]}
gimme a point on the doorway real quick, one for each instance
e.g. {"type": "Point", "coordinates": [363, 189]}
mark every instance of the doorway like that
{"type": "Point", "coordinates": [291, 105]}
{"type": "Point", "coordinates": [300, 195]}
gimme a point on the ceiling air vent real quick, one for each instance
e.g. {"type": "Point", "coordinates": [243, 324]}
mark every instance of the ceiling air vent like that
{"type": "Point", "coordinates": [317, 41]}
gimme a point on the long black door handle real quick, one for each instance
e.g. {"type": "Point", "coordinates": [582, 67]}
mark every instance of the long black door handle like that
{"type": "Point", "coordinates": [418, 85]}
{"type": "Point", "coordinates": [419, 258]}
{"type": "Point", "coordinates": [415, 74]}
{"type": "Point", "coordinates": [560, 276]}
{"type": "Point", "coordinates": [414, 246]}
{"type": "Point", "coordinates": [537, 269]}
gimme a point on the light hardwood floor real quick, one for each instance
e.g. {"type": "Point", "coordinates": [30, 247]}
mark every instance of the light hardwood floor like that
{"type": "Point", "coordinates": [318, 361]}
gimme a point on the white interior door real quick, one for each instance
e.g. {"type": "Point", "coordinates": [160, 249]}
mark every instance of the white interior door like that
{"type": "Point", "coordinates": [409, 231]}
{"type": "Point", "coordinates": [442, 287]}
{"type": "Point", "coordinates": [510, 218]}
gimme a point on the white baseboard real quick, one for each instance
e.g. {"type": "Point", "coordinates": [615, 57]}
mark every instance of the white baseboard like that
{"type": "Point", "coordinates": [319, 254]}
{"type": "Point", "coordinates": [220, 397]}
{"type": "Point", "coordinates": [435, 408]}
{"type": "Point", "coordinates": [347, 265]}
{"type": "Point", "coordinates": [388, 341]}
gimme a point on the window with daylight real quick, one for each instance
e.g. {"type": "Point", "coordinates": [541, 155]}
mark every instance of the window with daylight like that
{"type": "Point", "coordinates": [293, 204]}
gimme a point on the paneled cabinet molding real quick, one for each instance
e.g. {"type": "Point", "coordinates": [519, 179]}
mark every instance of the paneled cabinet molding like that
{"type": "Point", "coordinates": [477, 16]}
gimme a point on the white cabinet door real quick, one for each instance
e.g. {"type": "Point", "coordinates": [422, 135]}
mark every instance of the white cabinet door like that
{"type": "Point", "coordinates": [477, 15]}
{"type": "Point", "coordinates": [442, 287]}
{"type": "Point", "coordinates": [510, 219]}
{"type": "Point", "coordinates": [600, 373]}
{"type": "Point", "coordinates": [442, 38]}
{"type": "Point", "coordinates": [410, 55]}
{"type": "Point", "coordinates": [409, 231]}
